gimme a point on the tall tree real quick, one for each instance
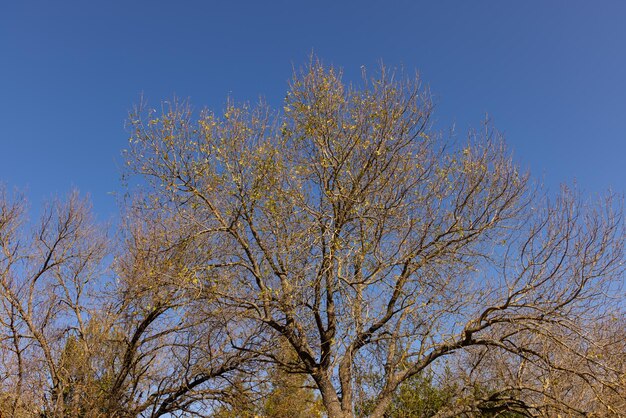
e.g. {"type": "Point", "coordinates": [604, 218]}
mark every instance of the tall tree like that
{"type": "Point", "coordinates": [372, 244]}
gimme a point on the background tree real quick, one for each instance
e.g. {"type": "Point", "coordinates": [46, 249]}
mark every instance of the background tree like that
{"type": "Point", "coordinates": [80, 338]}
{"type": "Point", "coordinates": [45, 307]}
{"type": "Point", "coordinates": [290, 394]}
{"type": "Point", "coordinates": [596, 388]}
{"type": "Point", "coordinates": [419, 396]}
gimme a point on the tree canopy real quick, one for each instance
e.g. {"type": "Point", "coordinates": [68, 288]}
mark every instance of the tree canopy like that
{"type": "Point", "coordinates": [341, 245]}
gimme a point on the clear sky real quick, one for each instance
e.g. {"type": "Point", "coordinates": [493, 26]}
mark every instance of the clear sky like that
{"type": "Point", "coordinates": [551, 75]}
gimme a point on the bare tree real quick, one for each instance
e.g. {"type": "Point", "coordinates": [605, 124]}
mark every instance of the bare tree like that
{"type": "Point", "coordinates": [79, 339]}
{"type": "Point", "coordinates": [563, 374]}
{"type": "Point", "coordinates": [44, 304]}
{"type": "Point", "coordinates": [371, 243]}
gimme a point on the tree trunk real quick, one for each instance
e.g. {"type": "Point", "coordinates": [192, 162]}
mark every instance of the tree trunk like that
{"type": "Point", "coordinates": [331, 400]}
{"type": "Point", "coordinates": [382, 406]}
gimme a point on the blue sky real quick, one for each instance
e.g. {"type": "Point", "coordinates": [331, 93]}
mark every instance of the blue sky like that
{"type": "Point", "coordinates": [551, 75]}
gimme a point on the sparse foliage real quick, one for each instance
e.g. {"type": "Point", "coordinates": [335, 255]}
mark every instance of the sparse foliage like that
{"type": "Point", "coordinates": [376, 246]}
{"type": "Point", "coordinates": [336, 258]}
{"type": "Point", "coordinates": [76, 343]}
{"type": "Point", "coordinates": [45, 281]}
